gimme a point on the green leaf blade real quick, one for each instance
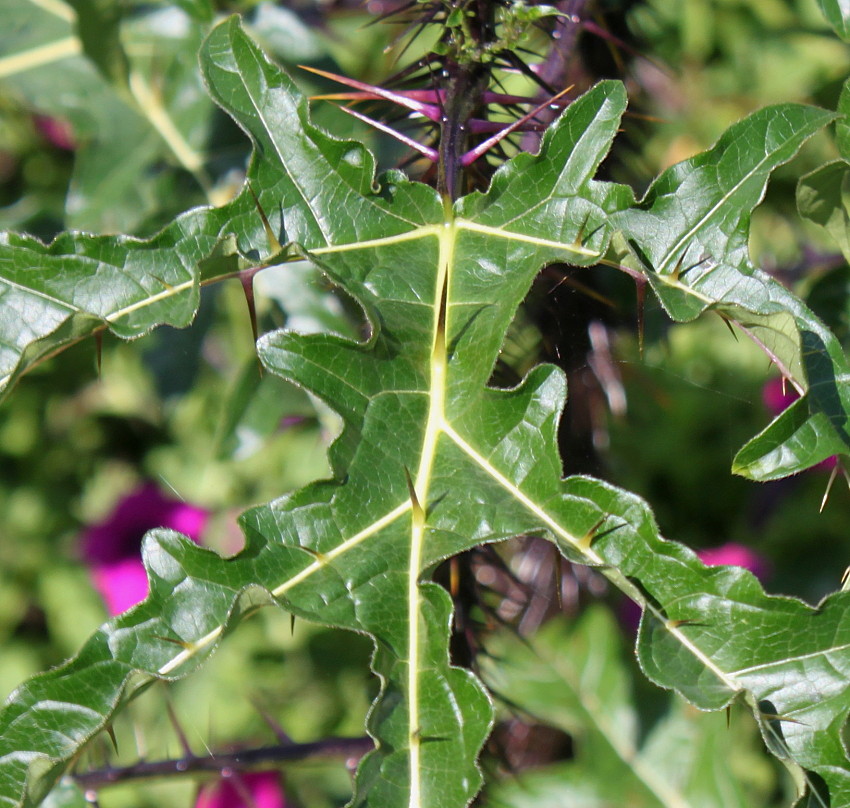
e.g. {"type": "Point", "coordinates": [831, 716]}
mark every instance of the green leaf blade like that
{"type": "Point", "coordinates": [690, 236]}
{"type": "Point", "coordinates": [837, 13]}
{"type": "Point", "coordinates": [431, 461]}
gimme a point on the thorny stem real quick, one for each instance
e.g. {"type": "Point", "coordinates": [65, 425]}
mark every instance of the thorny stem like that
{"type": "Point", "coordinates": [466, 82]}
{"type": "Point", "coordinates": [224, 763]}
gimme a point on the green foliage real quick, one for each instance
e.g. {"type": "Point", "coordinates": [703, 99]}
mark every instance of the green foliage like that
{"type": "Point", "coordinates": [431, 461]}
{"type": "Point", "coordinates": [574, 678]}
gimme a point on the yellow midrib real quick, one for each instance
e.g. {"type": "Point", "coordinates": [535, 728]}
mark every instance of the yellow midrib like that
{"type": "Point", "coordinates": [437, 425]}
{"type": "Point", "coordinates": [433, 428]}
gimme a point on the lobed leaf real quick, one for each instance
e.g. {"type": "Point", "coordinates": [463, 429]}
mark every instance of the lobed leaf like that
{"type": "Point", "coordinates": [689, 234]}
{"type": "Point", "coordinates": [431, 461]}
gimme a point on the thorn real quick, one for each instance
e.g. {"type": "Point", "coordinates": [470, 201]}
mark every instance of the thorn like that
{"type": "Point", "coordinates": [110, 731]}
{"type": "Point", "coordinates": [454, 576]}
{"type": "Point", "coordinates": [434, 738]}
{"type": "Point", "coordinates": [832, 475]}
{"type": "Point", "coordinates": [426, 151]}
{"type": "Point", "coordinates": [680, 623]}
{"type": "Point", "coordinates": [186, 646]}
{"type": "Point", "coordinates": [640, 289]}
{"type": "Point", "coordinates": [728, 716]}
{"type": "Point", "coordinates": [276, 728]}
{"type": "Point", "coordinates": [98, 349]}
{"type": "Point", "coordinates": [579, 240]}
{"type": "Point", "coordinates": [291, 624]}
{"type": "Point", "coordinates": [417, 736]}
{"type": "Point", "coordinates": [367, 92]}
{"type": "Point", "coordinates": [418, 512]}
{"type": "Point", "coordinates": [728, 325]}
{"type": "Point", "coordinates": [558, 569]}
{"type": "Point", "coordinates": [178, 730]}
{"type": "Point", "coordinates": [585, 541]}
{"type": "Point", "coordinates": [472, 155]}
{"type": "Point", "coordinates": [785, 718]}
{"type": "Point", "coordinates": [274, 244]}
{"type": "Point", "coordinates": [678, 268]}
{"type": "Point", "coordinates": [246, 278]}
{"type": "Point", "coordinates": [166, 285]}
{"type": "Point", "coordinates": [314, 554]}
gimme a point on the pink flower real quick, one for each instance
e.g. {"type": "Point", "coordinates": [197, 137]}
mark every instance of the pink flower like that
{"type": "Point", "coordinates": [735, 555]}
{"type": "Point", "coordinates": [112, 548]}
{"type": "Point", "coordinates": [777, 395]}
{"type": "Point", "coordinates": [57, 132]}
{"type": "Point", "coordinates": [250, 790]}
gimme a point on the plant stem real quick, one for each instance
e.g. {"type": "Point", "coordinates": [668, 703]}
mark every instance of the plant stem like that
{"type": "Point", "coordinates": [222, 763]}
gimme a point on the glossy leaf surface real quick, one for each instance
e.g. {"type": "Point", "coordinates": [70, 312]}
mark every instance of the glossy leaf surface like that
{"type": "Point", "coordinates": [431, 460]}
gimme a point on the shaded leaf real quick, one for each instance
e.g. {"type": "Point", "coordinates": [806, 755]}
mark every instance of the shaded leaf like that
{"type": "Point", "coordinates": [823, 197]}
{"type": "Point", "coordinates": [98, 26]}
{"type": "Point", "coordinates": [689, 234]}
{"type": "Point", "coordinates": [842, 125]}
{"type": "Point", "coordinates": [572, 676]}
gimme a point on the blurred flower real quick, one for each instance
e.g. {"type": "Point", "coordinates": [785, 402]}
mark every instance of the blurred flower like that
{"type": "Point", "coordinates": [777, 395]}
{"type": "Point", "coordinates": [735, 555]}
{"type": "Point", "coordinates": [111, 548]}
{"type": "Point", "coordinates": [55, 131]}
{"type": "Point", "coordinates": [251, 790]}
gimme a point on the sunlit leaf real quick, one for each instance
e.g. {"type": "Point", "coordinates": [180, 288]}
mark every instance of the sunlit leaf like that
{"type": "Point", "coordinates": [432, 461]}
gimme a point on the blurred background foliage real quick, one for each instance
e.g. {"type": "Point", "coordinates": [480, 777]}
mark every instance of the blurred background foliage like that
{"type": "Point", "coordinates": [124, 143]}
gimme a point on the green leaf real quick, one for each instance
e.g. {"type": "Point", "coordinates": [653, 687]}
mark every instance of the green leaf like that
{"type": "Point", "coordinates": [99, 29]}
{"type": "Point", "coordinates": [200, 10]}
{"type": "Point", "coordinates": [837, 13]}
{"type": "Point", "coordinates": [138, 127]}
{"type": "Point", "coordinates": [690, 236]}
{"type": "Point", "coordinates": [823, 197]}
{"type": "Point", "coordinates": [431, 461]}
{"type": "Point", "coordinates": [842, 125]}
{"type": "Point", "coordinates": [570, 675]}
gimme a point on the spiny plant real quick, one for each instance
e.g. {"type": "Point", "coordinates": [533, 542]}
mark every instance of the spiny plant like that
{"type": "Point", "coordinates": [431, 460]}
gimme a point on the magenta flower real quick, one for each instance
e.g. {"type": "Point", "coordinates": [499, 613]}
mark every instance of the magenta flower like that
{"type": "Point", "coordinates": [55, 131]}
{"type": "Point", "coordinates": [112, 548]}
{"type": "Point", "coordinates": [250, 790]}
{"type": "Point", "coordinates": [735, 555]}
{"type": "Point", "coordinates": [777, 395]}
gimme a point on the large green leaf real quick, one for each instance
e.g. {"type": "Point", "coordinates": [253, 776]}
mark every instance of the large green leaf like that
{"type": "Point", "coordinates": [690, 236]}
{"type": "Point", "coordinates": [431, 461]}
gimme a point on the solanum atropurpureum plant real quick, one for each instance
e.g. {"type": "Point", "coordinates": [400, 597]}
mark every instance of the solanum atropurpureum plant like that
{"type": "Point", "coordinates": [431, 460]}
